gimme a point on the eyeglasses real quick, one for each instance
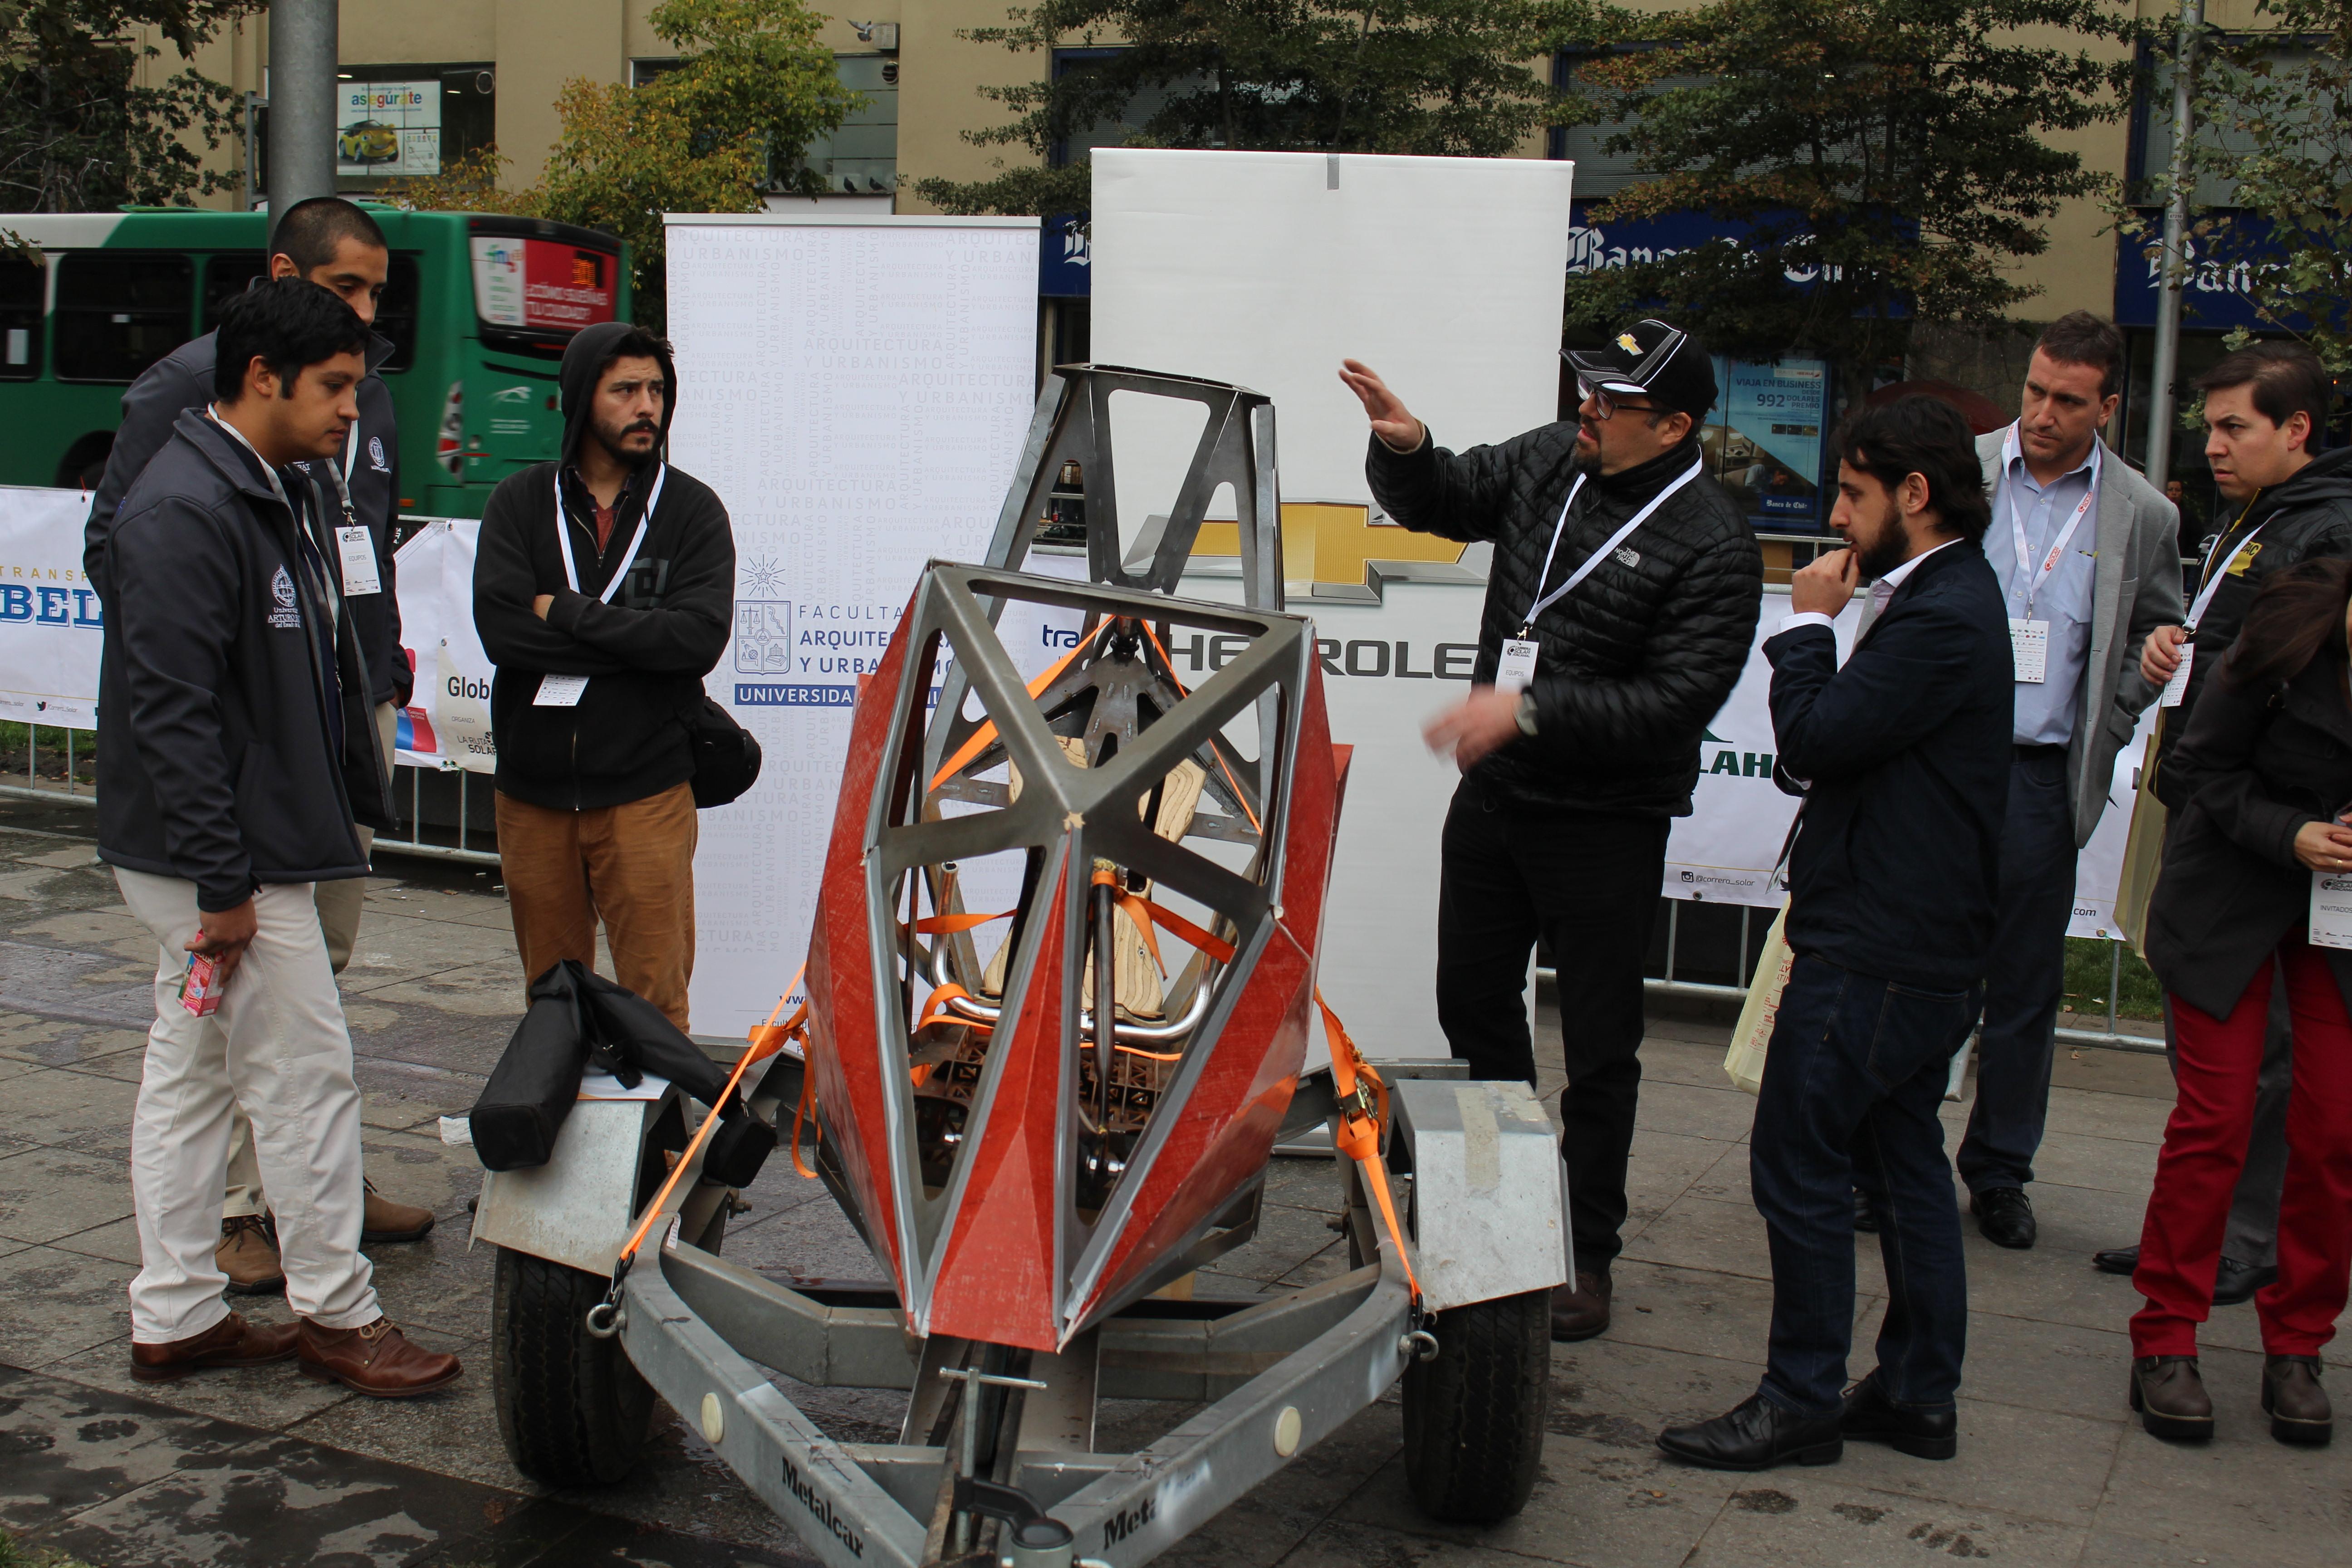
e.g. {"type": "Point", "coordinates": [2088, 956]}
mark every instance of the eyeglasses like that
{"type": "Point", "coordinates": [1605, 406]}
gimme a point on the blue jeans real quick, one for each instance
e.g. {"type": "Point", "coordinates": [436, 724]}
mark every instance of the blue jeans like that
{"type": "Point", "coordinates": [1852, 1084]}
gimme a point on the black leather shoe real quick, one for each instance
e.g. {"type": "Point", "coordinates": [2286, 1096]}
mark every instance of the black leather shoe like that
{"type": "Point", "coordinates": [2123, 1260]}
{"type": "Point", "coordinates": [1865, 1213]}
{"type": "Point", "coordinates": [1757, 1436]}
{"type": "Point", "coordinates": [2004, 1217]}
{"type": "Point", "coordinates": [2234, 1281]}
{"type": "Point", "coordinates": [1870, 1417]}
{"type": "Point", "coordinates": [2170, 1397]}
{"type": "Point", "coordinates": [2293, 1400]}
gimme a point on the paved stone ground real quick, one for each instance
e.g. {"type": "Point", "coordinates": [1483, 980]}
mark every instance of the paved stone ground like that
{"type": "Point", "coordinates": [264, 1467]}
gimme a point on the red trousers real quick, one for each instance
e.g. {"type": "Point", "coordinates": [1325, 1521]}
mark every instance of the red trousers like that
{"type": "Point", "coordinates": [2205, 1148]}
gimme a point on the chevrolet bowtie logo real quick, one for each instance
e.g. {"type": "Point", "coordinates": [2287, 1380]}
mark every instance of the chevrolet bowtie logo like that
{"type": "Point", "coordinates": [1329, 542]}
{"type": "Point", "coordinates": [1625, 341]}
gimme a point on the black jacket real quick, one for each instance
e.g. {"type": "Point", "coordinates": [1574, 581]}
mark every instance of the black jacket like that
{"type": "Point", "coordinates": [216, 764]}
{"type": "Point", "coordinates": [1907, 753]}
{"type": "Point", "coordinates": [1640, 656]}
{"type": "Point", "coordinates": [646, 652]}
{"type": "Point", "coordinates": [2254, 766]}
{"type": "Point", "coordinates": [2308, 518]}
{"type": "Point", "coordinates": [183, 380]}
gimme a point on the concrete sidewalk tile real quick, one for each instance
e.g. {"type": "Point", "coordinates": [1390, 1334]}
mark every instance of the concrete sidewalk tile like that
{"type": "Point", "coordinates": [276, 1500]}
{"type": "Point", "coordinates": [46, 1193]}
{"type": "Point", "coordinates": [1260, 1528]}
{"type": "Point", "coordinates": [1345, 1544]}
{"type": "Point", "coordinates": [111, 929]}
{"type": "Point", "coordinates": [56, 1304]}
{"type": "Point", "coordinates": [269, 1398]}
{"type": "Point", "coordinates": [1664, 1166]}
{"type": "Point", "coordinates": [1666, 1058]}
{"type": "Point", "coordinates": [80, 1111]}
{"type": "Point", "coordinates": [401, 1095]}
{"type": "Point", "coordinates": [76, 858]}
{"type": "Point", "coordinates": [2019, 1463]}
{"type": "Point", "coordinates": [1285, 1236]}
{"type": "Point", "coordinates": [67, 1447]}
{"type": "Point", "coordinates": [811, 1240]}
{"type": "Point", "coordinates": [1724, 1114]}
{"type": "Point", "coordinates": [1691, 1311]}
{"type": "Point", "coordinates": [1798, 1517]}
{"type": "Point", "coordinates": [490, 989]}
{"type": "Point", "coordinates": [2143, 1075]}
{"type": "Point", "coordinates": [2121, 1165]}
{"type": "Point", "coordinates": [63, 1043]}
{"type": "Point", "coordinates": [117, 1241]}
{"type": "Point", "coordinates": [2109, 1549]}
{"type": "Point", "coordinates": [547, 1534]}
{"type": "Point", "coordinates": [391, 948]}
{"type": "Point", "coordinates": [2133, 1119]}
{"type": "Point", "coordinates": [1699, 1233]}
{"type": "Point", "coordinates": [2241, 1498]}
{"type": "Point", "coordinates": [452, 1432]}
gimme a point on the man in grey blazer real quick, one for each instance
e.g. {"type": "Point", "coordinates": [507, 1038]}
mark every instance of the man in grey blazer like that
{"type": "Point", "coordinates": [2088, 555]}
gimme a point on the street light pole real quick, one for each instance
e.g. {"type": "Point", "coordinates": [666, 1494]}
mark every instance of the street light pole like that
{"type": "Point", "coordinates": [302, 51]}
{"type": "Point", "coordinates": [2167, 367]}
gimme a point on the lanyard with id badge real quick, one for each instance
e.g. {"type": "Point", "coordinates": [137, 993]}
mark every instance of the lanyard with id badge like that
{"type": "Point", "coordinates": [2216, 573]}
{"type": "Point", "coordinates": [1515, 670]}
{"type": "Point", "coordinates": [2029, 637]}
{"type": "Point", "coordinates": [566, 691]}
{"type": "Point", "coordinates": [354, 545]}
{"type": "Point", "coordinates": [2331, 902]}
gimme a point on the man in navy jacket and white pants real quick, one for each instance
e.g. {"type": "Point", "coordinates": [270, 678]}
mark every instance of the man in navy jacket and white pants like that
{"type": "Point", "coordinates": [1902, 757]}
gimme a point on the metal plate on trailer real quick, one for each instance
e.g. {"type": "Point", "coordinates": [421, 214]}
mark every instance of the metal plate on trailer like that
{"type": "Point", "coordinates": [1487, 1190]}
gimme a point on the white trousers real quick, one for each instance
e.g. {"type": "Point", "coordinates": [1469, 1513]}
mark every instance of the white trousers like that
{"type": "Point", "coordinates": [278, 1045]}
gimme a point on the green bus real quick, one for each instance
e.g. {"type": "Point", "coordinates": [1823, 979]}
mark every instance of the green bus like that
{"type": "Point", "coordinates": [477, 307]}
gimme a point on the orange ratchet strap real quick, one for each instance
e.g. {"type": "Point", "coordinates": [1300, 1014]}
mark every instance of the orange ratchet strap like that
{"type": "Point", "coordinates": [1363, 1113]}
{"type": "Point", "coordinates": [987, 732]}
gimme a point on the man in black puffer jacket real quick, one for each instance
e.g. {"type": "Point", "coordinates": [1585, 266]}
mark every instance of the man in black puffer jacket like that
{"type": "Point", "coordinates": [1619, 610]}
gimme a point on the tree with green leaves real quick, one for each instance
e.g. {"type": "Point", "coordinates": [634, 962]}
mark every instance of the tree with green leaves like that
{"type": "Point", "coordinates": [2271, 118]}
{"type": "Point", "coordinates": [1888, 161]}
{"type": "Point", "coordinates": [718, 133]}
{"type": "Point", "coordinates": [80, 132]}
{"type": "Point", "coordinates": [1464, 77]}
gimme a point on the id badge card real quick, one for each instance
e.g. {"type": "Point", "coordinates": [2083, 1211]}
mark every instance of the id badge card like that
{"type": "Point", "coordinates": [2177, 687]}
{"type": "Point", "coordinates": [560, 692]}
{"type": "Point", "coordinates": [357, 548]}
{"type": "Point", "coordinates": [2029, 649]}
{"type": "Point", "coordinates": [2331, 908]}
{"type": "Point", "coordinates": [1516, 670]}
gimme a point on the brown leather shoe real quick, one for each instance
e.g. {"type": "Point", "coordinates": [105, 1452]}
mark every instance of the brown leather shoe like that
{"type": "Point", "coordinates": [1580, 1313]}
{"type": "Point", "coordinates": [2170, 1397]}
{"type": "Point", "coordinates": [2294, 1401]}
{"type": "Point", "coordinates": [376, 1359]}
{"type": "Point", "coordinates": [247, 1255]}
{"type": "Point", "coordinates": [232, 1342]}
{"type": "Point", "coordinates": [387, 1222]}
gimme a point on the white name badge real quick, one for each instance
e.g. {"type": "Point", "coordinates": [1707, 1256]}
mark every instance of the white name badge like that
{"type": "Point", "coordinates": [2331, 908]}
{"type": "Point", "coordinates": [357, 547]}
{"type": "Point", "coordinates": [2177, 687]}
{"type": "Point", "coordinates": [560, 690]}
{"type": "Point", "coordinates": [1516, 670]}
{"type": "Point", "coordinates": [2029, 649]}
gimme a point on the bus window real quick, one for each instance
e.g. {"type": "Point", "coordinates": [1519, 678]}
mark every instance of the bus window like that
{"type": "Point", "coordinates": [20, 319]}
{"type": "Point", "coordinates": [119, 311]}
{"type": "Point", "coordinates": [225, 276]}
{"type": "Point", "coordinates": [395, 313]}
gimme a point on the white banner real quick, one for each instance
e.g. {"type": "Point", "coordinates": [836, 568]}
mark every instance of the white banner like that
{"type": "Point", "coordinates": [447, 721]}
{"type": "Point", "coordinates": [856, 392]}
{"type": "Point", "coordinates": [50, 628]}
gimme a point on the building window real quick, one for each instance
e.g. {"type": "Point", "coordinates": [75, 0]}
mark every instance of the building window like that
{"type": "Point", "coordinates": [861, 158]}
{"type": "Point", "coordinates": [394, 121]}
{"type": "Point", "coordinates": [642, 72]}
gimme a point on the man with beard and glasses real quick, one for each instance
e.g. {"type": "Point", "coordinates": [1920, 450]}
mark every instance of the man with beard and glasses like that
{"type": "Point", "coordinates": [1902, 755]}
{"type": "Point", "coordinates": [1620, 611]}
{"type": "Point", "coordinates": [603, 589]}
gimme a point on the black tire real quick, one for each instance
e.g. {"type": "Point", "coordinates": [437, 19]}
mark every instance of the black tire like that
{"type": "Point", "coordinates": [573, 1411]}
{"type": "Point", "coordinates": [1474, 1416]}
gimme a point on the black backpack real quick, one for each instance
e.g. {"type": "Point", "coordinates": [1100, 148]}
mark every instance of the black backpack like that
{"type": "Point", "coordinates": [726, 757]}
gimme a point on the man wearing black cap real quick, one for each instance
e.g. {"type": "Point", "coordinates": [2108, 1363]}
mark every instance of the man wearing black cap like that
{"type": "Point", "coordinates": [1620, 611]}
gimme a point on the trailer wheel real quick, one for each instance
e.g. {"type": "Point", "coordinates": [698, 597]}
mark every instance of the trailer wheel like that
{"type": "Point", "coordinates": [572, 1410]}
{"type": "Point", "coordinates": [1474, 1416]}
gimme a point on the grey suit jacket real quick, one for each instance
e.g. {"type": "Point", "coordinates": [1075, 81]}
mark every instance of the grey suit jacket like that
{"type": "Point", "coordinates": [2134, 588]}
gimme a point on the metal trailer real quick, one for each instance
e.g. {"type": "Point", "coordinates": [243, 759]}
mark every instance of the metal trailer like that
{"type": "Point", "coordinates": [1007, 1357]}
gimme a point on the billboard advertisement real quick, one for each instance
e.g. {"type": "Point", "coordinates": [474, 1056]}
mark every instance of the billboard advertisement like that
{"type": "Point", "coordinates": [542, 282]}
{"type": "Point", "coordinates": [385, 128]}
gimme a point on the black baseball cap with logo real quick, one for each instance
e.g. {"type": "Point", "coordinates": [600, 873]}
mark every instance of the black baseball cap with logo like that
{"type": "Point", "coordinates": [1652, 360]}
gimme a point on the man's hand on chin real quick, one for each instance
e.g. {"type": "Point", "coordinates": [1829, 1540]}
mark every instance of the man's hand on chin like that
{"type": "Point", "coordinates": [1823, 587]}
{"type": "Point", "coordinates": [1487, 718]}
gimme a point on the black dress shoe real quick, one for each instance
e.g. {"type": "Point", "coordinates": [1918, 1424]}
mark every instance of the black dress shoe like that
{"type": "Point", "coordinates": [2234, 1281]}
{"type": "Point", "coordinates": [2124, 1260]}
{"type": "Point", "coordinates": [1865, 1213]}
{"type": "Point", "coordinates": [1872, 1418]}
{"type": "Point", "coordinates": [1757, 1436]}
{"type": "Point", "coordinates": [2004, 1217]}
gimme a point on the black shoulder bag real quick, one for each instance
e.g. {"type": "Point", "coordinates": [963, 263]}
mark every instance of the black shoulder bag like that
{"type": "Point", "coordinates": [726, 757]}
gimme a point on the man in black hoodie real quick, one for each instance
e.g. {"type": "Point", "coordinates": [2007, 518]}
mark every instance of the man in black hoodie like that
{"type": "Point", "coordinates": [1619, 612]}
{"type": "Point", "coordinates": [2265, 408]}
{"type": "Point", "coordinates": [603, 587]}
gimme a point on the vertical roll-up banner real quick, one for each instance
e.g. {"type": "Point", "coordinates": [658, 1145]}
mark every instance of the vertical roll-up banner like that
{"type": "Point", "coordinates": [855, 389]}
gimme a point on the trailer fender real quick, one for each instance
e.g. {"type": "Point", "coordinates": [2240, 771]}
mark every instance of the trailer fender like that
{"type": "Point", "coordinates": [1487, 1190]}
{"type": "Point", "coordinates": [577, 1208]}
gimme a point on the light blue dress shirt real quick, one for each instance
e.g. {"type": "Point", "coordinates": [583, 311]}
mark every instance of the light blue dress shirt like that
{"type": "Point", "coordinates": [2045, 712]}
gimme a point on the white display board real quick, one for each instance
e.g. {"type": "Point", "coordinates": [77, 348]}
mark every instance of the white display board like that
{"type": "Point", "coordinates": [856, 392]}
{"type": "Point", "coordinates": [1267, 269]}
{"type": "Point", "coordinates": [50, 628]}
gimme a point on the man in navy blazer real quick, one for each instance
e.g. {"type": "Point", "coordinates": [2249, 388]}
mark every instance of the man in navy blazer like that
{"type": "Point", "coordinates": [1903, 758]}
